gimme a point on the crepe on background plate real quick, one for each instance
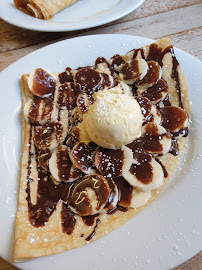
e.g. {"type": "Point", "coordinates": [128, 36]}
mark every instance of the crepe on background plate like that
{"type": "Point", "coordinates": [43, 9]}
{"type": "Point", "coordinates": [48, 217]}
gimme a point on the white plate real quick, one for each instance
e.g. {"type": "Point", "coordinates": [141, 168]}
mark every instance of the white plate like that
{"type": "Point", "coordinates": [83, 14]}
{"type": "Point", "coordinates": [167, 232]}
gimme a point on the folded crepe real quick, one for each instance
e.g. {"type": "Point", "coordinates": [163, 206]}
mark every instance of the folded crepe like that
{"type": "Point", "coordinates": [48, 220]}
{"type": "Point", "coordinates": [43, 9]}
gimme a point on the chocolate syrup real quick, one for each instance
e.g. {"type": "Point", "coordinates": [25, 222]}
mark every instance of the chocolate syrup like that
{"type": "Point", "coordinates": [43, 158]}
{"type": "Point", "coordinates": [83, 154]}
{"type": "Point", "coordinates": [89, 220]}
{"type": "Point", "coordinates": [165, 173]}
{"type": "Point", "coordinates": [66, 76]}
{"type": "Point", "coordinates": [173, 118]}
{"type": "Point", "coordinates": [68, 220]}
{"type": "Point", "coordinates": [67, 95]}
{"type": "Point", "coordinates": [87, 79]}
{"type": "Point", "coordinates": [48, 194]}
{"type": "Point", "coordinates": [125, 192]}
{"type": "Point", "coordinates": [143, 169]}
{"type": "Point", "coordinates": [131, 71]}
{"type": "Point", "coordinates": [64, 165]}
{"type": "Point", "coordinates": [109, 162]}
{"type": "Point", "coordinates": [157, 91]}
{"type": "Point", "coordinates": [152, 75]}
{"type": "Point", "coordinates": [117, 60]}
{"type": "Point", "coordinates": [94, 230]}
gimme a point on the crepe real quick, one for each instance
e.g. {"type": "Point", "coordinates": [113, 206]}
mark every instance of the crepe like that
{"type": "Point", "coordinates": [43, 9]}
{"type": "Point", "coordinates": [57, 233]}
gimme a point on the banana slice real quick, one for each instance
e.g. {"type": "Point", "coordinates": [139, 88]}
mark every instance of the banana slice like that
{"type": "Point", "coordinates": [84, 101]}
{"type": "Point", "coordinates": [133, 71]}
{"type": "Point", "coordinates": [102, 65]}
{"type": "Point", "coordinates": [89, 80]}
{"type": "Point", "coordinates": [76, 117]}
{"type": "Point", "coordinates": [149, 111]}
{"type": "Point", "coordinates": [82, 155]}
{"type": "Point", "coordinates": [117, 62]}
{"type": "Point", "coordinates": [126, 90]}
{"type": "Point", "coordinates": [175, 120]}
{"type": "Point", "coordinates": [41, 82]}
{"type": "Point", "coordinates": [153, 75]}
{"type": "Point", "coordinates": [112, 162]}
{"type": "Point", "coordinates": [130, 196]}
{"type": "Point", "coordinates": [145, 173]}
{"type": "Point", "coordinates": [61, 166]}
{"type": "Point", "coordinates": [139, 198]}
{"type": "Point", "coordinates": [155, 139]}
{"type": "Point", "coordinates": [66, 95]}
{"type": "Point", "coordinates": [113, 198]}
{"type": "Point", "coordinates": [50, 135]}
{"type": "Point", "coordinates": [89, 195]}
{"type": "Point", "coordinates": [157, 93]}
{"type": "Point", "coordinates": [155, 116]}
{"type": "Point", "coordinates": [66, 76]}
{"type": "Point", "coordinates": [38, 110]}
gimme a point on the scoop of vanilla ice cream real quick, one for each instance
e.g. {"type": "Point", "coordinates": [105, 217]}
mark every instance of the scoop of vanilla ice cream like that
{"type": "Point", "coordinates": [114, 119]}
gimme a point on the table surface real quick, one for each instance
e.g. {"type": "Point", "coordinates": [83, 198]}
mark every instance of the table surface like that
{"type": "Point", "coordinates": [181, 20]}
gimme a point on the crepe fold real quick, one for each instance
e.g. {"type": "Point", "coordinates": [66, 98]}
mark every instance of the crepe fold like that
{"type": "Point", "coordinates": [43, 9]}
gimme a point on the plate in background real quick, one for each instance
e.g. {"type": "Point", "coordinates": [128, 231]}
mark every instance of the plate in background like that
{"type": "Point", "coordinates": [83, 14]}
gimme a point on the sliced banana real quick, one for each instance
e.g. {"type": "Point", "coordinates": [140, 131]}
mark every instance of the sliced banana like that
{"type": "Point", "coordinates": [38, 110]}
{"type": "Point", "coordinates": [157, 93]}
{"type": "Point", "coordinates": [117, 62]}
{"type": "Point", "coordinates": [102, 65]}
{"type": "Point", "coordinates": [76, 117]}
{"type": "Point", "coordinates": [126, 90]}
{"type": "Point", "coordinates": [153, 75]}
{"type": "Point", "coordinates": [41, 82]}
{"type": "Point", "coordinates": [145, 173]}
{"type": "Point", "coordinates": [66, 95]}
{"type": "Point", "coordinates": [66, 76]}
{"type": "Point", "coordinates": [82, 156]}
{"type": "Point", "coordinates": [84, 101]}
{"type": "Point", "coordinates": [155, 116]}
{"type": "Point", "coordinates": [149, 111]}
{"type": "Point", "coordinates": [133, 71]}
{"type": "Point", "coordinates": [139, 198]}
{"type": "Point", "coordinates": [113, 198]}
{"type": "Point", "coordinates": [112, 162]}
{"type": "Point", "coordinates": [50, 135]}
{"type": "Point", "coordinates": [130, 197]}
{"type": "Point", "coordinates": [155, 139]}
{"type": "Point", "coordinates": [175, 120]}
{"type": "Point", "coordinates": [61, 166]}
{"type": "Point", "coordinates": [89, 195]}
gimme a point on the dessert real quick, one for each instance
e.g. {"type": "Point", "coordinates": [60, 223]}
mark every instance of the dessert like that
{"type": "Point", "coordinates": [99, 144]}
{"type": "Point", "coordinates": [43, 9]}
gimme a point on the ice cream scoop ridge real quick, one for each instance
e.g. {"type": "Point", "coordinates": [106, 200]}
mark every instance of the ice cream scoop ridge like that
{"type": "Point", "coordinates": [114, 120]}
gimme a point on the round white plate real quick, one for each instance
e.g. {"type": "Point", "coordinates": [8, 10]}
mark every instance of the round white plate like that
{"type": "Point", "coordinates": [83, 14]}
{"type": "Point", "coordinates": [167, 232]}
